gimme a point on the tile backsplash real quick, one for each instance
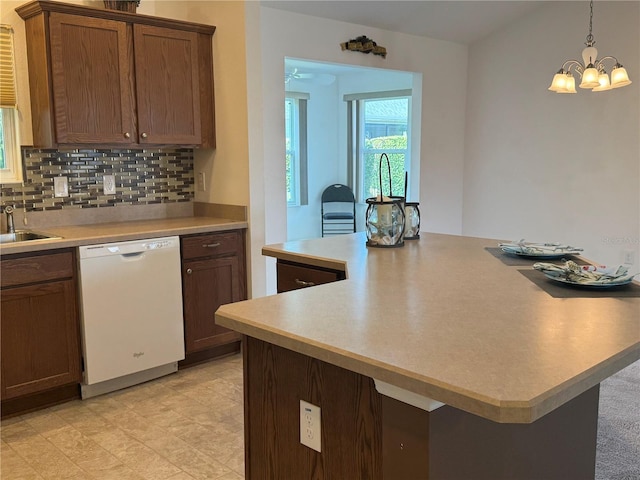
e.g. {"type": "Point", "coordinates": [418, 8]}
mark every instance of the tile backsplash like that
{"type": "Point", "coordinates": [142, 177]}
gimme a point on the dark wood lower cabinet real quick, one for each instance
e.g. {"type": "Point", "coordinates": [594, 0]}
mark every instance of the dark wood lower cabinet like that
{"type": "Point", "coordinates": [213, 273]}
{"type": "Point", "coordinates": [294, 276]}
{"type": "Point", "coordinates": [366, 435]}
{"type": "Point", "coordinates": [39, 330]}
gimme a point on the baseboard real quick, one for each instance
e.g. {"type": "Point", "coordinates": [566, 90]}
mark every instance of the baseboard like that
{"type": "Point", "coordinates": [37, 401]}
{"type": "Point", "coordinates": [201, 356]}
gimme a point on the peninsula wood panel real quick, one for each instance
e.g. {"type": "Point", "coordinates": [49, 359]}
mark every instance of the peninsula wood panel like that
{"type": "Point", "coordinates": [366, 435]}
{"type": "Point", "coordinates": [276, 379]}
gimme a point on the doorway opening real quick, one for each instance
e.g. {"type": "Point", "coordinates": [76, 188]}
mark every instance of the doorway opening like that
{"type": "Point", "coordinates": [338, 120]}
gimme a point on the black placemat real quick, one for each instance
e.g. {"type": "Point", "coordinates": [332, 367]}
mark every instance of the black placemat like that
{"type": "Point", "coordinates": [561, 290]}
{"type": "Point", "coordinates": [518, 261]}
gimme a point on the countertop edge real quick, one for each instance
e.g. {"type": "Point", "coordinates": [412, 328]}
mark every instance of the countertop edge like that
{"type": "Point", "coordinates": [131, 230]}
{"type": "Point", "coordinates": [305, 259]}
{"type": "Point", "coordinates": [515, 411]}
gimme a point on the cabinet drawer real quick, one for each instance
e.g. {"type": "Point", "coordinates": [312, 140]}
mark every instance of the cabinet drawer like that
{"type": "Point", "coordinates": [40, 268]}
{"type": "Point", "coordinates": [211, 245]}
{"type": "Point", "coordinates": [293, 277]}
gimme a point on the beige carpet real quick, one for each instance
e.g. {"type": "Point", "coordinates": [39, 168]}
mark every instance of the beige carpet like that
{"type": "Point", "coordinates": [618, 454]}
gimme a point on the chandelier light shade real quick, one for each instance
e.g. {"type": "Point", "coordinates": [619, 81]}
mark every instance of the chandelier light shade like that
{"type": "Point", "coordinates": [592, 70]}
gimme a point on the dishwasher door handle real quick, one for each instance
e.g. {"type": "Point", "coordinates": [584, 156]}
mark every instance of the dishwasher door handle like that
{"type": "Point", "coordinates": [132, 255]}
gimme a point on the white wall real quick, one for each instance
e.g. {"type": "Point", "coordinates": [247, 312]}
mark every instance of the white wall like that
{"type": "Point", "coordinates": [551, 167]}
{"type": "Point", "coordinates": [322, 156]}
{"type": "Point", "coordinates": [283, 34]}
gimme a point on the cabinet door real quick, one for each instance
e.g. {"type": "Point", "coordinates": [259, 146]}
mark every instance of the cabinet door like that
{"type": "Point", "coordinates": [39, 338]}
{"type": "Point", "coordinates": [92, 83]}
{"type": "Point", "coordinates": [207, 284]}
{"type": "Point", "coordinates": [167, 85]}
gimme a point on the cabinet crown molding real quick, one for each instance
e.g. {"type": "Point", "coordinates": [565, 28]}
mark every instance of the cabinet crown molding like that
{"type": "Point", "coordinates": [37, 7]}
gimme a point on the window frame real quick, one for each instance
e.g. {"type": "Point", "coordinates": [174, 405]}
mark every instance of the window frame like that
{"type": "Point", "coordinates": [298, 171]}
{"type": "Point", "coordinates": [9, 115]}
{"type": "Point", "coordinates": [12, 171]}
{"type": "Point", "coordinates": [355, 138]}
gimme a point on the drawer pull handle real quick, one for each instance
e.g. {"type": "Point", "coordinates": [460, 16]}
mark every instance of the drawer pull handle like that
{"type": "Point", "coordinates": [302, 283]}
{"type": "Point", "coordinates": [211, 245]}
{"type": "Point", "coordinates": [189, 271]}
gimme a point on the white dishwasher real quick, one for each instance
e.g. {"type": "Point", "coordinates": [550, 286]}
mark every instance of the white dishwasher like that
{"type": "Point", "coordinates": [132, 324]}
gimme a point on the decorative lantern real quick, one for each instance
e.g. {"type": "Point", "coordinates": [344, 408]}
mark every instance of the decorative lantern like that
{"type": "Point", "coordinates": [412, 221]}
{"type": "Point", "coordinates": [385, 217]}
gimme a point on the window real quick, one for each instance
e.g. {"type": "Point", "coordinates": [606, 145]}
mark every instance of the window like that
{"type": "Point", "coordinates": [10, 158]}
{"type": "Point", "coordinates": [295, 117]}
{"type": "Point", "coordinates": [379, 123]}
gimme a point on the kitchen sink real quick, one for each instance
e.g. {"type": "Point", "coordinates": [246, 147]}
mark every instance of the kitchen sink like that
{"type": "Point", "coordinates": [25, 236]}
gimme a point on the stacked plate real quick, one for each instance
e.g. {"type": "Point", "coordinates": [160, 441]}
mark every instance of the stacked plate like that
{"type": "Point", "coordinates": [587, 275]}
{"type": "Point", "coordinates": [539, 250]}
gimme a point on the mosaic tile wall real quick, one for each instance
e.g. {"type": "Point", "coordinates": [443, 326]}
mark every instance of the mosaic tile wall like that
{"type": "Point", "coordinates": [142, 177]}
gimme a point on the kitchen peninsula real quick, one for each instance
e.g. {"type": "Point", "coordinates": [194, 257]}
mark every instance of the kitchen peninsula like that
{"type": "Point", "coordinates": [434, 360]}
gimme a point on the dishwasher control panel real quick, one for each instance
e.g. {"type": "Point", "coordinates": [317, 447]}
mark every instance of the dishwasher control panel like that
{"type": "Point", "coordinates": [125, 248]}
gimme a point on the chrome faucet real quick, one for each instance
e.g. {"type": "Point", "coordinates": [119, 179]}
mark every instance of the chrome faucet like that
{"type": "Point", "coordinates": [11, 228]}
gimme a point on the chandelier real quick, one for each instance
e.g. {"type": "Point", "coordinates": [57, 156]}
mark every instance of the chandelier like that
{"type": "Point", "coordinates": [592, 71]}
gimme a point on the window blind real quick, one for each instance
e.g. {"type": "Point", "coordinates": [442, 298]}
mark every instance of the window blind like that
{"type": "Point", "coordinates": [350, 97]}
{"type": "Point", "coordinates": [8, 97]}
{"type": "Point", "coordinates": [298, 95]}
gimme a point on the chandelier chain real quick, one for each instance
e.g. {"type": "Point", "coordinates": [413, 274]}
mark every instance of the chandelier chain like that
{"type": "Point", "coordinates": [590, 42]}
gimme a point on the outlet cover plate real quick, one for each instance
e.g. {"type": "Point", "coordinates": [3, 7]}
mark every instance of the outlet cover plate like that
{"type": "Point", "coordinates": [310, 433]}
{"type": "Point", "coordinates": [60, 187]}
{"type": "Point", "coordinates": [109, 184]}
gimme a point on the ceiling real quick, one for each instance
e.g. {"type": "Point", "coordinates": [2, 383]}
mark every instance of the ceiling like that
{"type": "Point", "coordinates": [453, 20]}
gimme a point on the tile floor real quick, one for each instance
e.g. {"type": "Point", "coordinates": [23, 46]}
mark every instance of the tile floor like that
{"type": "Point", "coordinates": [184, 426]}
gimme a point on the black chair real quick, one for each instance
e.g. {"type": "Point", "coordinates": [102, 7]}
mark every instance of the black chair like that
{"type": "Point", "coordinates": [338, 210]}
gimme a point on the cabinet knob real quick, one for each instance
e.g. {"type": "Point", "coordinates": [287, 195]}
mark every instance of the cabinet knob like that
{"type": "Point", "coordinates": [127, 135]}
{"type": "Point", "coordinates": [302, 283]}
{"type": "Point", "coordinates": [144, 135]}
{"type": "Point", "coordinates": [189, 271]}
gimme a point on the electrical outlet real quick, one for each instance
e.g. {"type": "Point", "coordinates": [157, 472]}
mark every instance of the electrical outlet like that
{"type": "Point", "coordinates": [60, 187]}
{"type": "Point", "coordinates": [109, 184]}
{"type": "Point", "coordinates": [628, 257]}
{"type": "Point", "coordinates": [310, 432]}
{"type": "Point", "coordinates": [202, 186]}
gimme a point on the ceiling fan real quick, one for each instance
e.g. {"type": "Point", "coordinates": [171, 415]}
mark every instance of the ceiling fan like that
{"type": "Point", "coordinates": [319, 78]}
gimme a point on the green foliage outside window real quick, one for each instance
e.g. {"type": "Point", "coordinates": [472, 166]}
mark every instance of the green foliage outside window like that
{"type": "Point", "coordinates": [374, 147]}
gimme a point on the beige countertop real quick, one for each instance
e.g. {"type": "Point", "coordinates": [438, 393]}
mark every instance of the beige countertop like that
{"type": "Point", "coordinates": [443, 318]}
{"type": "Point", "coordinates": [78, 235]}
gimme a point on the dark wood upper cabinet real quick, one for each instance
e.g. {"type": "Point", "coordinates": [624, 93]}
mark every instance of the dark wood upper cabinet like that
{"type": "Point", "coordinates": [167, 85]}
{"type": "Point", "coordinates": [91, 76]}
{"type": "Point", "coordinates": [109, 78]}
